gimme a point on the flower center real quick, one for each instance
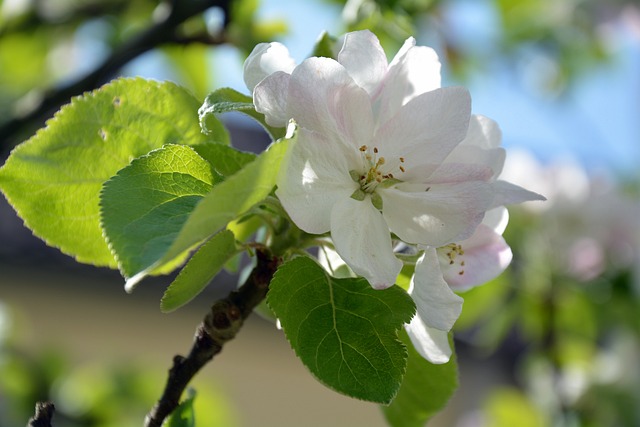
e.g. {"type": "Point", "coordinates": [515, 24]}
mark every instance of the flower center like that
{"type": "Point", "coordinates": [454, 254]}
{"type": "Point", "coordinates": [376, 169]}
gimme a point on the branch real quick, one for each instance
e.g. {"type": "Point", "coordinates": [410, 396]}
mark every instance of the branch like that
{"type": "Point", "coordinates": [162, 32]}
{"type": "Point", "coordinates": [220, 325]}
{"type": "Point", "coordinates": [43, 415]}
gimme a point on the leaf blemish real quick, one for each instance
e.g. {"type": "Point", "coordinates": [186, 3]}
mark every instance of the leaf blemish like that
{"type": "Point", "coordinates": [116, 101]}
{"type": "Point", "coordinates": [103, 134]}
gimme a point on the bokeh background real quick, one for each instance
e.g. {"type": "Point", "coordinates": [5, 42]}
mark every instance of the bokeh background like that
{"type": "Point", "coordinates": [554, 341]}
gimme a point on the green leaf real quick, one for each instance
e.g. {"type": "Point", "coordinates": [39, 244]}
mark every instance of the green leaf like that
{"type": "Point", "coordinates": [225, 202]}
{"type": "Point", "coordinates": [54, 179]}
{"type": "Point", "coordinates": [146, 204]}
{"type": "Point", "coordinates": [343, 330]}
{"type": "Point", "coordinates": [184, 415]}
{"type": "Point", "coordinates": [199, 271]}
{"type": "Point", "coordinates": [426, 389]}
{"type": "Point", "coordinates": [225, 160]}
{"type": "Point", "coordinates": [225, 100]}
{"type": "Point", "coordinates": [325, 46]}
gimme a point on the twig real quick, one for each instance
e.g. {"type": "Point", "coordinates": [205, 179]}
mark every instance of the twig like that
{"type": "Point", "coordinates": [160, 33]}
{"type": "Point", "coordinates": [43, 415]}
{"type": "Point", "coordinates": [220, 325]}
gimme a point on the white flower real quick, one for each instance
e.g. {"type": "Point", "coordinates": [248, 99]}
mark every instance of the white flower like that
{"type": "Point", "coordinates": [381, 149]}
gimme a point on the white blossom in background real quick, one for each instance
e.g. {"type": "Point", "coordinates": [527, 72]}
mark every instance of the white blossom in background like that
{"type": "Point", "coordinates": [384, 153]}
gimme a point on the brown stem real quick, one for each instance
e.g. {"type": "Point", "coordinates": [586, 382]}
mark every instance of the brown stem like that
{"type": "Point", "coordinates": [42, 416]}
{"type": "Point", "coordinates": [220, 325]}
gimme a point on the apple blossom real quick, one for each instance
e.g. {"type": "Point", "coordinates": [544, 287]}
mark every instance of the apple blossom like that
{"type": "Point", "coordinates": [382, 155]}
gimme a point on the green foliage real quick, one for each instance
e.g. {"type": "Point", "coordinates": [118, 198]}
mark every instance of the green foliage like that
{"type": "Point", "coordinates": [425, 390]}
{"type": "Point", "coordinates": [344, 331]}
{"type": "Point", "coordinates": [146, 204]}
{"type": "Point", "coordinates": [184, 415]}
{"type": "Point", "coordinates": [53, 180]}
{"type": "Point", "coordinates": [226, 99]}
{"type": "Point", "coordinates": [226, 201]}
{"type": "Point", "coordinates": [199, 271]}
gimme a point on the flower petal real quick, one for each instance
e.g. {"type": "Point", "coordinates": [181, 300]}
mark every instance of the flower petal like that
{"type": "Point", "coordinates": [266, 59]}
{"type": "Point", "coordinates": [364, 59]}
{"type": "Point", "coordinates": [436, 304]}
{"type": "Point", "coordinates": [431, 343]}
{"type": "Point", "coordinates": [484, 256]}
{"type": "Point", "coordinates": [510, 194]}
{"type": "Point", "coordinates": [414, 71]}
{"type": "Point", "coordinates": [362, 239]}
{"type": "Point", "coordinates": [427, 128]}
{"type": "Point", "coordinates": [483, 133]}
{"type": "Point", "coordinates": [445, 213]}
{"type": "Point", "coordinates": [270, 98]}
{"type": "Point", "coordinates": [314, 177]}
{"type": "Point", "coordinates": [324, 98]}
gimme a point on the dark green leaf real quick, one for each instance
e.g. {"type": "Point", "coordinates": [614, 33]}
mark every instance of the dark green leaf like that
{"type": "Point", "coordinates": [426, 389]}
{"type": "Point", "coordinates": [343, 330]}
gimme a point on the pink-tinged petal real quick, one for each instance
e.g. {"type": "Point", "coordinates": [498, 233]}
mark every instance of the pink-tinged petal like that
{"type": "Point", "coordinates": [414, 71]}
{"type": "Point", "coordinates": [266, 59]}
{"type": "Point", "coordinates": [270, 98]}
{"type": "Point", "coordinates": [362, 239]}
{"type": "Point", "coordinates": [364, 59]}
{"type": "Point", "coordinates": [313, 179]}
{"type": "Point", "coordinates": [450, 173]}
{"type": "Point", "coordinates": [436, 304]}
{"type": "Point", "coordinates": [431, 343]}
{"type": "Point", "coordinates": [477, 260]}
{"type": "Point", "coordinates": [427, 128]}
{"type": "Point", "coordinates": [445, 213]}
{"type": "Point", "coordinates": [492, 158]}
{"type": "Point", "coordinates": [324, 98]}
{"type": "Point", "coordinates": [507, 193]}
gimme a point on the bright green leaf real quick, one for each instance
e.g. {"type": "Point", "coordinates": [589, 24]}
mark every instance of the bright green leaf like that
{"type": "Point", "coordinates": [146, 204]}
{"type": "Point", "coordinates": [184, 415]}
{"type": "Point", "coordinates": [53, 180]}
{"type": "Point", "coordinates": [225, 100]}
{"type": "Point", "coordinates": [199, 271]}
{"type": "Point", "coordinates": [225, 202]}
{"type": "Point", "coordinates": [225, 160]}
{"type": "Point", "coordinates": [426, 389]}
{"type": "Point", "coordinates": [325, 46]}
{"type": "Point", "coordinates": [343, 330]}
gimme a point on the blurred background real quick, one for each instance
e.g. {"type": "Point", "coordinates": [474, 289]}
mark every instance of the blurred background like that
{"type": "Point", "coordinates": [554, 341]}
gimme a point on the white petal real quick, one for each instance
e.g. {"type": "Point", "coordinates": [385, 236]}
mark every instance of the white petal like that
{"type": "Point", "coordinates": [324, 98]}
{"type": "Point", "coordinates": [270, 98]}
{"type": "Point", "coordinates": [485, 256]}
{"type": "Point", "coordinates": [510, 194]}
{"type": "Point", "coordinates": [428, 128]}
{"type": "Point", "coordinates": [364, 59]}
{"type": "Point", "coordinates": [483, 133]}
{"type": "Point", "coordinates": [497, 219]}
{"type": "Point", "coordinates": [414, 71]}
{"type": "Point", "coordinates": [314, 177]}
{"type": "Point", "coordinates": [443, 214]}
{"type": "Point", "coordinates": [363, 240]}
{"type": "Point", "coordinates": [436, 304]}
{"type": "Point", "coordinates": [266, 59]}
{"type": "Point", "coordinates": [432, 344]}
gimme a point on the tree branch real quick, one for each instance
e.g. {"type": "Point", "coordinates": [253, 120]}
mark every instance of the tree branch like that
{"type": "Point", "coordinates": [220, 325]}
{"type": "Point", "coordinates": [43, 415]}
{"type": "Point", "coordinates": [162, 32]}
